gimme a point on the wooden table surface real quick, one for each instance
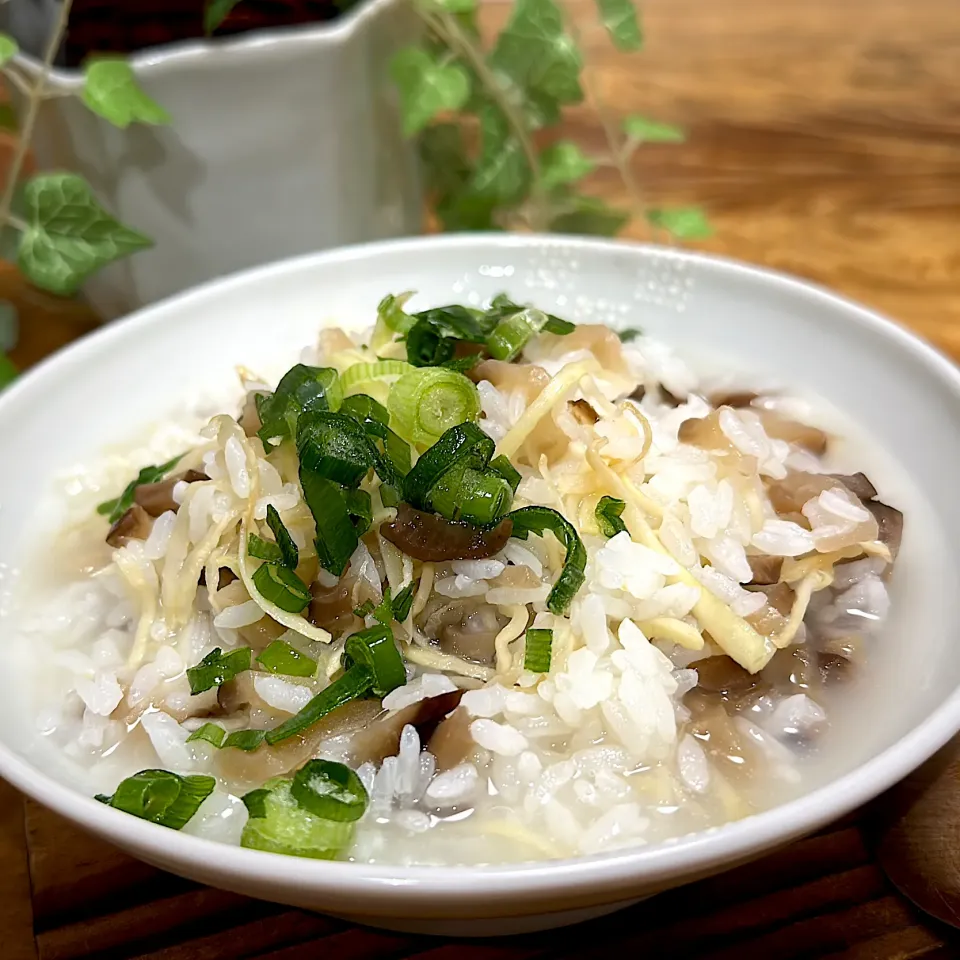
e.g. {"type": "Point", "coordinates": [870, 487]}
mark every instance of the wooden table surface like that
{"type": "Point", "coordinates": [824, 138]}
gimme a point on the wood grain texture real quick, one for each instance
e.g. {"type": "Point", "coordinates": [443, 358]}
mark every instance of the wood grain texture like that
{"type": "Point", "coordinates": [824, 139]}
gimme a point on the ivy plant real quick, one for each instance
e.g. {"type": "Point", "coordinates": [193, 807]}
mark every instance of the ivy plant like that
{"type": "Point", "coordinates": [53, 225]}
{"type": "Point", "coordinates": [481, 111]}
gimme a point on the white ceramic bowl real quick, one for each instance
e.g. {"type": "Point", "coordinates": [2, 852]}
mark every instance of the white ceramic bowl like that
{"type": "Point", "coordinates": [105, 388]}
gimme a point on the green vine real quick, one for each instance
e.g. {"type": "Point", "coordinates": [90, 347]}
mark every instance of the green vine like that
{"type": "Point", "coordinates": [483, 116]}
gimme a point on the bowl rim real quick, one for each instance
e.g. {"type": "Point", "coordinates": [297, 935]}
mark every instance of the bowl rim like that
{"type": "Point", "coordinates": [601, 874]}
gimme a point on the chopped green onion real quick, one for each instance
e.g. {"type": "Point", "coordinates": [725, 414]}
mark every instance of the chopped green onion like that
{"type": "Point", "coordinates": [463, 364]}
{"type": "Point", "coordinates": [433, 338]}
{"type": "Point", "coordinates": [217, 668]}
{"type": "Point", "coordinates": [365, 609]}
{"type": "Point", "coordinates": [353, 684]}
{"type": "Point", "coordinates": [279, 824]}
{"type": "Point", "coordinates": [537, 520]}
{"type": "Point", "coordinates": [462, 445]}
{"type": "Point", "coordinates": [537, 651]}
{"type": "Point", "coordinates": [425, 403]}
{"type": "Point", "coordinates": [289, 553]}
{"type": "Point", "coordinates": [376, 650]}
{"type": "Point", "coordinates": [113, 510]}
{"type": "Point", "coordinates": [255, 802]}
{"type": "Point", "coordinates": [161, 796]}
{"type": "Point", "coordinates": [502, 466]}
{"type": "Point", "coordinates": [515, 326]}
{"type": "Point", "coordinates": [402, 603]}
{"type": "Point", "coordinates": [471, 496]}
{"type": "Point", "coordinates": [362, 407]}
{"type": "Point", "coordinates": [392, 313]}
{"type": "Point", "coordinates": [360, 508]}
{"type": "Point", "coordinates": [246, 740]}
{"type": "Point", "coordinates": [608, 516]}
{"type": "Point", "coordinates": [263, 549]}
{"type": "Point", "coordinates": [389, 495]}
{"type": "Point", "coordinates": [334, 446]}
{"type": "Point", "coordinates": [280, 657]}
{"type": "Point", "coordinates": [359, 374]}
{"type": "Point", "coordinates": [280, 585]}
{"type": "Point", "coordinates": [211, 732]}
{"type": "Point", "coordinates": [629, 335]}
{"type": "Point", "coordinates": [330, 790]}
{"type": "Point", "coordinates": [301, 389]}
{"type": "Point", "coordinates": [514, 332]}
{"type": "Point", "coordinates": [337, 537]}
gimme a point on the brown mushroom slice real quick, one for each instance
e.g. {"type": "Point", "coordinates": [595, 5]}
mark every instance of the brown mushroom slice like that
{"type": "Point", "coordinates": [135, 524]}
{"type": "Point", "coordinates": [333, 607]}
{"type": "Point", "coordinates": [787, 496]}
{"type": "Point", "coordinates": [381, 738]}
{"type": "Point", "coordinates": [890, 523]}
{"type": "Point", "coordinates": [793, 667]}
{"type": "Point", "coordinates": [723, 675]}
{"type": "Point", "coordinates": [834, 669]}
{"type": "Point", "coordinates": [267, 761]}
{"type": "Point", "coordinates": [157, 498]}
{"type": "Point", "coordinates": [465, 628]}
{"type": "Point", "coordinates": [712, 727]}
{"type": "Point", "coordinates": [771, 619]}
{"type": "Point", "coordinates": [736, 399]}
{"type": "Point", "coordinates": [765, 569]}
{"type": "Point", "coordinates": [429, 537]}
{"type": "Point", "coordinates": [583, 413]}
{"type": "Point", "coordinates": [705, 432]}
{"type": "Point", "coordinates": [452, 741]}
{"type": "Point", "coordinates": [792, 431]}
{"type": "Point", "coordinates": [858, 484]}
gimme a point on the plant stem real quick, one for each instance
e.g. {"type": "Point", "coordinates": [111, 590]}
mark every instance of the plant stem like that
{"type": "Point", "coordinates": [33, 108]}
{"type": "Point", "coordinates": [616, 143]}
{"type": "Point", "coordinates": [447, 28]}
{"type": "Point", "coordinates": [17, 79]}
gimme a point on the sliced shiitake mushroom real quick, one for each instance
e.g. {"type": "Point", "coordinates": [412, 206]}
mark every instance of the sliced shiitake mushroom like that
{"type": "Point", "coordinates": [157, 498]}
{"type": "Point", "coordinates": [135, 524]}
{"type": "Point", "coordinates": [429, 537]}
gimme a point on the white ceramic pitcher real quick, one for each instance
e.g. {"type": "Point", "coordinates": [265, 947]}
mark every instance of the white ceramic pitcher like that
{"type": "Point", "coordinates": [283, 141]}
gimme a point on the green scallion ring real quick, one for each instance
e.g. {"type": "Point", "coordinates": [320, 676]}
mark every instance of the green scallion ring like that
{"type": "Point", "coordinates": [330, 790]}
{"type": "Point", "coordinates": [282, 587]}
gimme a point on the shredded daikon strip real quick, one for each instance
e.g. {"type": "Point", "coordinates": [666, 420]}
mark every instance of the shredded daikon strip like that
{"type": "Point", "coordinates": [291, 621]}
{"type": "Point", "coordinates": [817, 580]}
{"type": "Point", "coordinates": [427, 573]}
{"type": "Point", "coordinates": [513, 630]}
{"type": "Point", "coordinates": [147, 596]}
{"type": "Point", "coordinates": [733, 634]}
{"type": "Point", "coordinates": [676, 631]}
{"type": "Point", "coordinates": [435, 660]}
{"type": "Point", "coordinates": [552, 394]}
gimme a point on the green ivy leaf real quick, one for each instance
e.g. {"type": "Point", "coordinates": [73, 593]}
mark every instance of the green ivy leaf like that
{"type": "Point", "coordinates": [443, 157]}
{"type": "Point", "coordinates": [534, 53]}
{"type": "Point", "coordinates": [502, 174]}
{"type": "Point", "coordinates": [620, 19]}
{"type": "Point", "coordinates": [9, 325]}
{"type": "Point", "coordinates": [9, 48]}
{"type": "Point", "coordinates": [466, 211]}
{"type": "Point", "coordinates": [110, 89]}
{"type": "Point", "coordinates": [427, 87]}
{"type": "Point", "coordinates": [652, 131]}
{"type": "Point", "coordinates": [563, 162]}
{"type": "Point", "coordinates": [685, 223]}
{"type": "Point", "coordinates": [69, 235]}
{"type": "Point", "coordinates": [580, 214]}
{"type": "Point", "coordinates": [8, 372]}
{"type": "Point", "coordinates": [215, 12]}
